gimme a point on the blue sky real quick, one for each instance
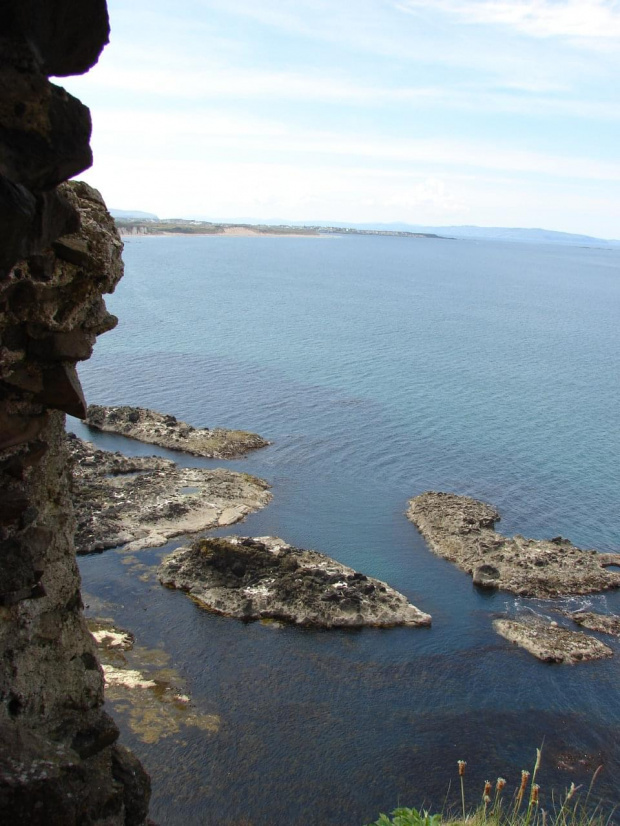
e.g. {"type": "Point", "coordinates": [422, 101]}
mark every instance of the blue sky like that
{"type": "Point", "coordinates": [488, 112]}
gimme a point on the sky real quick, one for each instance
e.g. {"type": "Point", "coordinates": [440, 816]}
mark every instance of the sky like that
{"type": "Point", "coordinates": [434, 112]}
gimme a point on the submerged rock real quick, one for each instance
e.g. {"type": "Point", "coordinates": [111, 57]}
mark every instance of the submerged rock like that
{"type": "Point", "coordinates": [146, 500]}
{"type": "Point", "coordinates": [551, 643]}
{"type": "Point", "coordinates": [143, 688]}
{"type": "Point", "coordinates": [166, 431]}
{"type": "Point", "coordinates": [265, 578]}
{"type": "Point", "coordinates": [604, 623]}
{"type": "Point", "coordinates": [462, 530]}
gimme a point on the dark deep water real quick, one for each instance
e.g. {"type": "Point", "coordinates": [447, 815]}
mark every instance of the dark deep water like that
{"type": "Point", "coordinates": [379, 368]}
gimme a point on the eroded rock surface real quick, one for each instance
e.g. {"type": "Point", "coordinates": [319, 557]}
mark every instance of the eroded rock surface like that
{"type": "Point", "coordinates": [147, 500]}
{"type": "Point", "coordinates": [167, 431]}
{"type": "Point", "coordinates": [59, 759]}
{"type": "Point", "coordinates": [265, 578]}
{"type": "Point", "coordinates": [548, 642]}
{"type": "Point", "coordinates": [60, 763]}
{"type": "Point", "coordinates": [604, 623]}
{"type": "Point", "coordinates": [462, 530]}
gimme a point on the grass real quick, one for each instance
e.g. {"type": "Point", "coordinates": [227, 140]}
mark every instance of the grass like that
{"type": "Point", "coordinates": [523, 808]}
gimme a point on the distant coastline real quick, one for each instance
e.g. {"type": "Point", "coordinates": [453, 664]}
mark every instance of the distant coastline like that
{"type": "Point", "coordinates": [141, 228]}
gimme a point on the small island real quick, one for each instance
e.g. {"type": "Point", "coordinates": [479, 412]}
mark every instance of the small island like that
{"type": "Point", "coordinates": [266, 578]}
{"type": "Point", "coordinates": [462, 530]}
{"type": "Point", "coordinates": [167, 431]}
{"type": "Point", "coordinates": [550, 643]}
{"type": "Point", "coordinates": [141, 502]}
{"type": "Point", "coordinates": [603, 623]}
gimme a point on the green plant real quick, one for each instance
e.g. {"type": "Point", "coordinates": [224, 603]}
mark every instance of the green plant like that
{"type": "Point", "coordinates": [408, 817]}
{"type": "Point", "coordinates": [522, 810]}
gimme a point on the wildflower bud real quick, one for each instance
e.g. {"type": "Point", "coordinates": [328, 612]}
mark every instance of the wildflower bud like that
{"type": "Point", "coordinates": [487, 787]}
{"type": "Point", "coordinates": [524, 778]}
{"type": "Point", "coordinates": [461, 765]}
{"type": "Point", "coordinates": [535, 789]}
{"type": "Point", "coordinates": [501, 784]}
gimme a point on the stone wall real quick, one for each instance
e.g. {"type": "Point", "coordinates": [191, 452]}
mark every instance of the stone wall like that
{"type": "Point", "coordinates": [59, 251]}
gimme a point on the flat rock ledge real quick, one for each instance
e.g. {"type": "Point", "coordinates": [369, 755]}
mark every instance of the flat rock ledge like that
{"type": "Point", "coordinates": [265, 578]}
{"type": "Point", "coordinates": [551, 643]}
{"type": "Point", "coordinates": [141, 502]}
{"type": "Point", "coordinates": [461, 530]}
{"type": "Point", "coordinates": [166, 431]}
{"type": "Point", "coordinates": [603, 623]}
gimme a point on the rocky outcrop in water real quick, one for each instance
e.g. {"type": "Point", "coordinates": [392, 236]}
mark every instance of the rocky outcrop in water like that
{"type": "Point", "coordinates": [603, 623]}
{"type": "Point", "coordinates": [265, 578]}
{"type": "Point", "coordinates": [146, 500]}
{"type": "Point", "coordinates": [167, 431]}
{"type": "Point", "coordinates": [548, 642]}
{"type": "Point", "coordinates": [60, 762]}
{"type": "Point", "coordinates": [462, 530]}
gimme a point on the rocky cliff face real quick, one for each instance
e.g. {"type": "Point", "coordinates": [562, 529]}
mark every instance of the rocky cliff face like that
{"type": "Point", "coordinates": [59, 251]}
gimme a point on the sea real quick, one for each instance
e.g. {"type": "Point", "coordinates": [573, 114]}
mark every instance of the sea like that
{"type": "Point", "coordinates": [378, 368]}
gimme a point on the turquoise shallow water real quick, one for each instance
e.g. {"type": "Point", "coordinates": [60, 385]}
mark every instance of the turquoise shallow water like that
{"type": "Point", "coordinates": [379, 367]}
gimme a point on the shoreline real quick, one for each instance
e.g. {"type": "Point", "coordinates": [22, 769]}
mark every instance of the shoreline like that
{"type": "Point", "coordinates": [182, 227]}
{"type": "Point", "coordinates": [241, 233]}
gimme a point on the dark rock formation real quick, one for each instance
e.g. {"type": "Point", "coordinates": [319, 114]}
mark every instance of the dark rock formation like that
{"type": "Point", "coordinates": [462, 530]}
{"type": "Point", "coordinates": [59, 761]}
{"type": "Point", "coordinates": [548, 642]}
{"type": "Point", "coordinates": [120, 500]}
{"type": "Point", "coordinates": [265, 578]}
{"type": "Point", "coordinates": [166, 431]}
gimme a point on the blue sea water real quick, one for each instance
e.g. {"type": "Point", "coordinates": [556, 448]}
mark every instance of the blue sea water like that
{"type": "Point", "coordinates": [379, 368]}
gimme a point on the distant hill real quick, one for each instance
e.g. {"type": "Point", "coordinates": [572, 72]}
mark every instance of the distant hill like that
{"type": "Point", "coordinates": [530, 236]}
{"type": "Point", "coordinates": [133, 215]}
{"type": "Point", "coordinates": [524, 235]}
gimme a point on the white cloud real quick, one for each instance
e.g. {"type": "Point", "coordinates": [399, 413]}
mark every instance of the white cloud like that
{"type": "Point", "coordinates": [193, 134]}
{"type": "Point", "coordinates": [220, 190]}
{"type": "Point", "coordinates": [214, 190]}
{"type": "Point", "coordinates": [539, 18]}
{"type": "Point", "coordinates": [302, 108]}
{"type": "Point", "coordinates": [229, 82]}
{"type": "Point", "coordinates": [232, 84]}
